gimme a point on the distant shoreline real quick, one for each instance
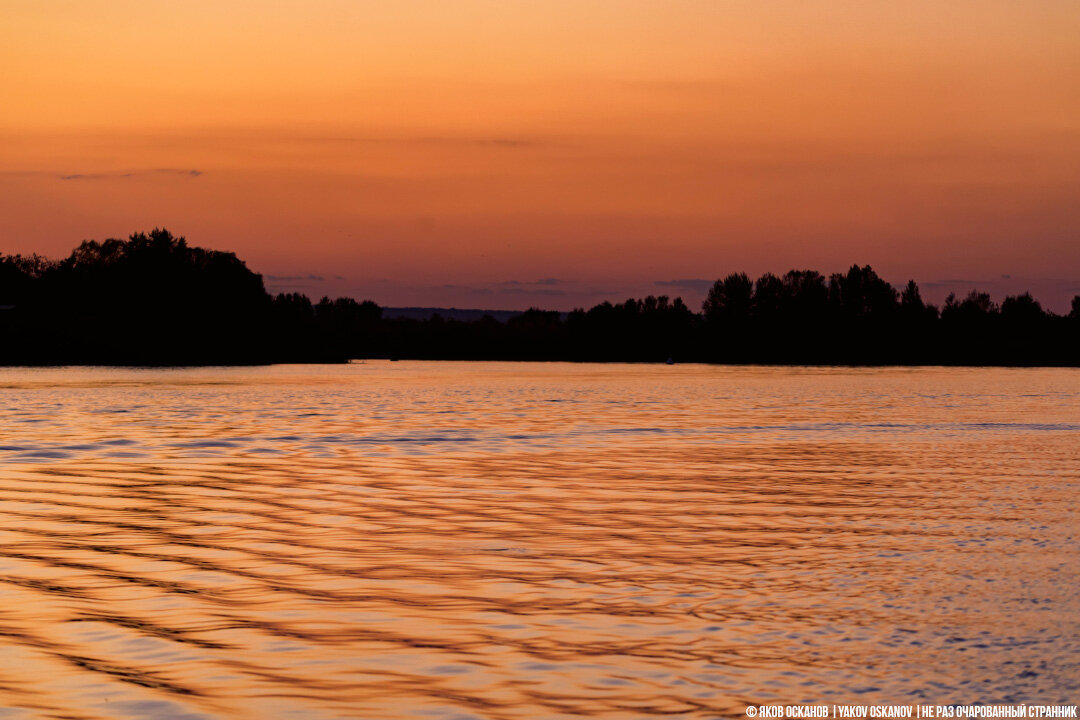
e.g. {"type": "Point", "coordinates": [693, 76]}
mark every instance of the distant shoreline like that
{"type": "Point", "coordinates": [155, 301]}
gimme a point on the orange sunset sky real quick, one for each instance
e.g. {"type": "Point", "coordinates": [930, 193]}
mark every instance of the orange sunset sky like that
{"type": "Point", "coordinates": [504, 153]}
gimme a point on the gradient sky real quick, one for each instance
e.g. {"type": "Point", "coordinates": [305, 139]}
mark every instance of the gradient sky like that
{"type": "Point", "coordinates": [504, 153]}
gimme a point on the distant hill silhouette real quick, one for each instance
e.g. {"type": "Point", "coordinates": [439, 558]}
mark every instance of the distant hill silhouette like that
{"type": "Point", "coordinates": [154, 300]}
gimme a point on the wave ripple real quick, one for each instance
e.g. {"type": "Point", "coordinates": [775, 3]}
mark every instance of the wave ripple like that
{"type": "Point", "coordinates": [416, 540]}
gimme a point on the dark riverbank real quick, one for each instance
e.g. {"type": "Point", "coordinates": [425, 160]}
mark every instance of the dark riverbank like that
{"type": "Point", "coordinates": [155, 300]}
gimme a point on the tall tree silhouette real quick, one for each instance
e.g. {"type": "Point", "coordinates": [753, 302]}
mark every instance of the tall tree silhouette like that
{"type": "Point", "coordinates": [730, 299]}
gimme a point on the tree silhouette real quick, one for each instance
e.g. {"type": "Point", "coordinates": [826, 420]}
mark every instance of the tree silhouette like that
{"type": "Point", "coordinates": [154, 299]}
{"type": "Point", "coordinates": [729, 299]}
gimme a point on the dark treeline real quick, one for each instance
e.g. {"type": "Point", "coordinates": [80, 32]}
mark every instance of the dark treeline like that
{"type": "Point", "coordinates": [155, 300]}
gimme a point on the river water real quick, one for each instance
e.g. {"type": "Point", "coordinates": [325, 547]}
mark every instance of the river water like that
{"type": "Point", "coordinates": [517, 540]}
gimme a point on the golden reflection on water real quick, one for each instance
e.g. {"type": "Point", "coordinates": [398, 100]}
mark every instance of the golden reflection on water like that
{"type": "Point", "coordinates": [444, 540]}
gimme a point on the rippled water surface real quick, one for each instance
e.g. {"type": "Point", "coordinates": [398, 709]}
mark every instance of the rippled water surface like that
{"type": "Point", "coordinates": [487, 540]}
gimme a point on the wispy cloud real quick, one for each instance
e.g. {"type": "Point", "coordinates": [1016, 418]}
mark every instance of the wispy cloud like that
{"type": "Point", "coordinates": [498, 142]}
{"type": "Point", "coordinates": [546, 292]}
{"type": "Point", "coordinates": [131, 174]}
{"type": "Point", "coordinates": [680, 85]}
{"type": "Point", "coordinates": [541, 281]}
{"type": "Point", "coordinates": [295, 278]}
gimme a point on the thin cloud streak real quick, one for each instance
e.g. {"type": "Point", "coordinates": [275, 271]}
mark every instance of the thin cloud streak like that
{"type": "Point", "coordinates": [510, 143]}
{"type": "Point", "coordinates": [131, 174]}
{"type": "Point", "coordinates": [294, 278]}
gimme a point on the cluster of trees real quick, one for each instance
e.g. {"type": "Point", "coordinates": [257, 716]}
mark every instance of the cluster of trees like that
{"type": "Point", "coordinates": [857, 317]}
{"type": "Point", "coordinates": [801, 317]}
{"type": "Point", "coordinates": [649, 330]}
{"type": "Point", "coordinates": [153, 300]}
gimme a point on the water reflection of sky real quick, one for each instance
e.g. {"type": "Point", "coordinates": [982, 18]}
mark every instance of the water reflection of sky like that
{"type": "Point", "coordinates": [517, 541]}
